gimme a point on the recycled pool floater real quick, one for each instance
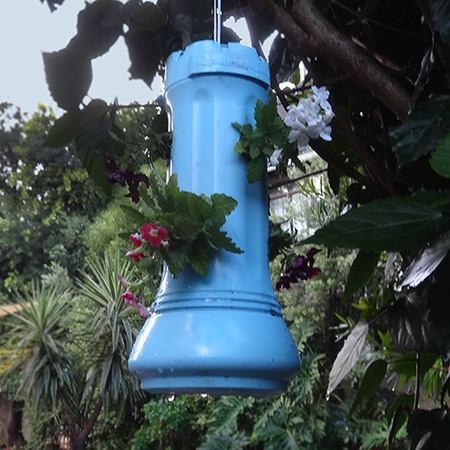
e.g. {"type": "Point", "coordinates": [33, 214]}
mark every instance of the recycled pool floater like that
{"type": "Point", "coordinates": [222, 334]}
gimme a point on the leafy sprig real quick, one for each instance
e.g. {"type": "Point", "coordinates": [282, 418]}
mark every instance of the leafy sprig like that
{"type": "Point", "coordinates": [271, 133]}
{"type": "Point", "coordinates": [193, 223]}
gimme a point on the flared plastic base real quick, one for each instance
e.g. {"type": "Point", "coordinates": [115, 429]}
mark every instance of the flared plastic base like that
{"type": "Point", "coordinates": [214, 386]}
{"type": "Point", "coordinates": [215, 351]}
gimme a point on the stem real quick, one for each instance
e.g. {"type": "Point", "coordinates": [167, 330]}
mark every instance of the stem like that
{"type": "Point", "coordinates": [417, 388]}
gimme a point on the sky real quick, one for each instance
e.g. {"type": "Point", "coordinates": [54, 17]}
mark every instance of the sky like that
{"type": "Point", "coordinates": [28, 28]}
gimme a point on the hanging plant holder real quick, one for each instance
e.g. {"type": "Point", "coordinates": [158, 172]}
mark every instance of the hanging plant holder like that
{"type": "Point", "coordinates": [223, 333]}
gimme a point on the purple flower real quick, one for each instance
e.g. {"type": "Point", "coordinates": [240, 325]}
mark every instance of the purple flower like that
{"type": "Point", "coordinates": [302, 269]}
{"type": "Point", "coordinates": [124, 177]}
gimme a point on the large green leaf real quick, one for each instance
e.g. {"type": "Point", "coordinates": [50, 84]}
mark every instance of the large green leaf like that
{"type": "Point", "coordinates": [408, 325]}
{"type": "Point", "coordinates": [429, 428]}
{"type": "Point", "coordinates": [372, 378]}
{"type": "Point", "coordinates": [144, 55]}
{"type": "Point", "coordinates": [440, 158]}
{"type": "Point", "coordinates": [440, 14]}
{"type": "Point", "coordinates": [422, 131]}
{"type": "Point", "coordinates": [397, 414]}
{"type": "Point", "coordinates": [63, 130]}
{"type": "Point", "coordinates": [361, 272]}
{"type": "Point", "coordinates": [99, 25]}
{"type": "Point", "coordinates": [69, 76]}
{"type": "Point", "coordinates": [391, 224]}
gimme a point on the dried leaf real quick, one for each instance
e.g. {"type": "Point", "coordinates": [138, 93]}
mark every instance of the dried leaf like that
{"type": "Point", "coordinates": [349, 355]}
{"type": "Point", "coordinates": [426, 263]}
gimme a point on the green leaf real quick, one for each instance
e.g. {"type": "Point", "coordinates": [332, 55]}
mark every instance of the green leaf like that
{"type": "Point", "coordinates": [148, 17]}
{"type": "Point", "coordinates": [176, 259]}
{"type": "Point", "coordinates": [63, 130]}
{"type": "Point", "coordinates": [422, 131]}
{"type": "Point", "coordinates": [198, 260]}
{"type": "Point", "coordinates": [361, 272]}
{"type": "Point", "coordinates": [69, 76]}
{"type": "Point", "coordinates": [92, 161]}
{"type": "Point", "coordinates": [223, 203]}
{"type": "Point", "coordinates": [99, 26]}
{"type": "Point", "coordinates": [405, 365]}
{"type": "Point", "coordinates": [160, 123]}
{"type": "Point", "coordinates": [402, 400]}
{"type": "Point", "coordinates": [199, 209]}
{"type": "Point", "coordinates": [144, 55]}
{"type": "Point", "coordinates": [440, 14]}
{"type": "Point", "coordinates": [134, 214]}
{"type": "Point", "coordinates": [440, 158]}
{"type": "Point", "coordinates": [255, 151]}
{"type": "Point", "coordinates": [221, 240]}
{"type": "Point", "coordinates": [390, 224]}
{"type": "Point", "coordinates": [409, 325]}
{"type": "Point", "coordinates": [372, 378]}
{"type": "Point", "coordinates": [398, 417]}
{"type": "Point", "coordinates": [255, 169]}
{"type": "Point", "coordinates": [429, 429]}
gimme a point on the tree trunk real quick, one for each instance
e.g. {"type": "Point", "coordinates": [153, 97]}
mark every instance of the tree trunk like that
{"type": "Point", "coordinates": [15, 436]}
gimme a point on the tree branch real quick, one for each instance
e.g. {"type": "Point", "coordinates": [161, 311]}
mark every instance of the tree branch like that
{"type": "Point", "coordinates": [73, 429]}
{"type": "Point", "coordinates": [311, 34]}
{"type": "Point", "coordinates": [345, 168]}
{"type": "Point", "coordinates": [91, 422]}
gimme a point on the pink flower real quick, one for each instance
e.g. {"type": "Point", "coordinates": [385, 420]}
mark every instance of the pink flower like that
{"type": "Point", "coordinates": [136, 239]}
{"type": "Point", "coordinates": [142, 310]}
{"type": "Point", "coordinates": [135, 255]}
{"type": "Point", "coordinates": [131, 299]}
{"type": "Point", "coordinates": [122, 282]}
{"type": "Point", "coordinates": [154, 234]}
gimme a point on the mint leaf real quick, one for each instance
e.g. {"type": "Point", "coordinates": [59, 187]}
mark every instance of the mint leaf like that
{"type": "Point", "coordinates": [198, 260]}
{"type": "Point", "coordinates": [255, 170]}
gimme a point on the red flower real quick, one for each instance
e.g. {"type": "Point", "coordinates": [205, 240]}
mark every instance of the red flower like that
{"type": "Point", "coordinates": [154, 234]}
{"type": "Point", "coordinates": [136, 239]}
{"type": "Point", "coordinates": [134, 254]}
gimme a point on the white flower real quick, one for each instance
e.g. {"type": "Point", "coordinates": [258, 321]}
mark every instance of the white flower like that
{"type": "Point", "coordinates": [309, 119]}
{"type": "Point", "coordinates": [274, 159]}
{"type": "Point", "coordinates": [321, 97]}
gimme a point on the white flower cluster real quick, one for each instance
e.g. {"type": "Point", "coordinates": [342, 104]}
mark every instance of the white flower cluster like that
{"type": "Point", "coordinates": [310, 118]}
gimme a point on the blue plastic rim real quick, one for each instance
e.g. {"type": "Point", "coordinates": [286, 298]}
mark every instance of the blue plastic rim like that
{"type": "Point", "coordinates": [222, 334]}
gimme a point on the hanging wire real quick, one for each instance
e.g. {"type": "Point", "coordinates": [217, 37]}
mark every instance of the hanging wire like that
{"type": "Point", "coordinates": [217, 19]}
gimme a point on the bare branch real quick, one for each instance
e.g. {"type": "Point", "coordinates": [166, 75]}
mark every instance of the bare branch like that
{"type": "Point", "coordinates": [311, 34]}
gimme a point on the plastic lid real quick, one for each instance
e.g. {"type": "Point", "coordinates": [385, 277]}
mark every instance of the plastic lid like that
{"type": "Point", "coordinates": [208, 57]}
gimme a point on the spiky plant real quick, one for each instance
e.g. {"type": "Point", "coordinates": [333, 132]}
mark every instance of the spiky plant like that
{"type": "Point", "coordinates": [39, 337]}
{"type": "Point", "coordinates": [113, 328]}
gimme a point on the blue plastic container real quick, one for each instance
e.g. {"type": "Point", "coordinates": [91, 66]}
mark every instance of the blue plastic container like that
{"type": "Point", "coordinates": [222, 334]}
